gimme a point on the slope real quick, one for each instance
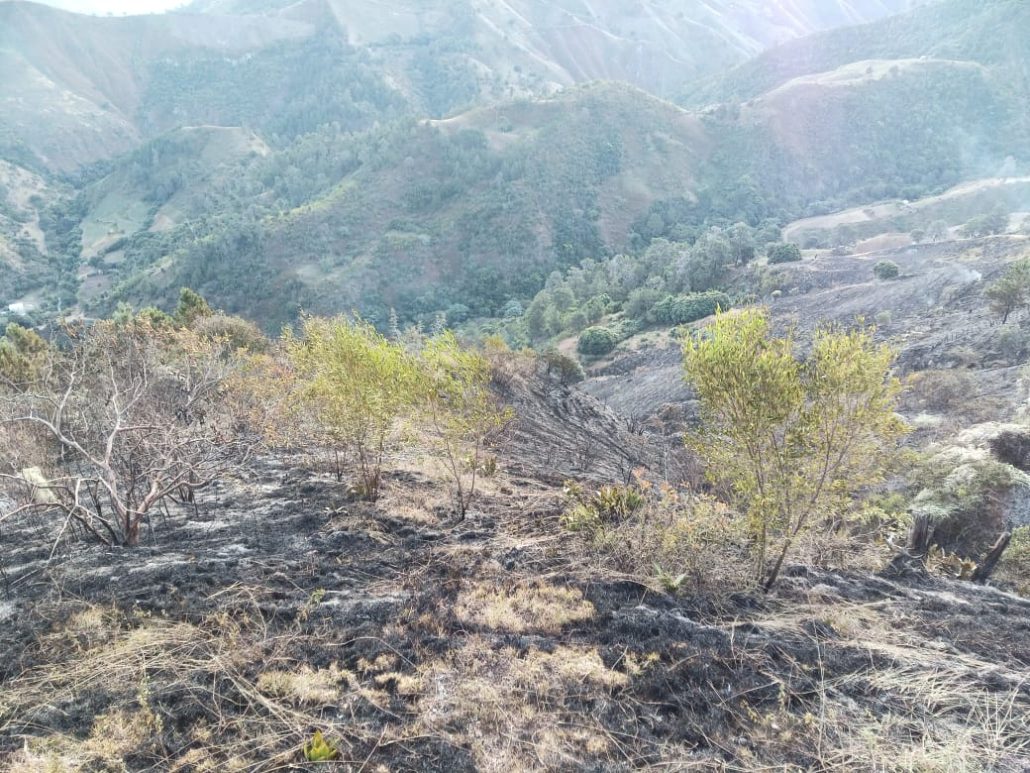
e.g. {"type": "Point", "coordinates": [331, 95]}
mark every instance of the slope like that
{"type": "Point", "coordinates": [991, 32]}
{"type": "Point", "coordinates": [106, 84]}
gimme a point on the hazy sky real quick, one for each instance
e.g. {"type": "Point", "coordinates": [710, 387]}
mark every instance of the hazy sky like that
{"type": "Point", "coordinates": [117, 7]}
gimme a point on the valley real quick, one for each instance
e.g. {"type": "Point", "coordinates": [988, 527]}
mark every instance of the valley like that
{"type": "Point", "coordinates": [505, 385]}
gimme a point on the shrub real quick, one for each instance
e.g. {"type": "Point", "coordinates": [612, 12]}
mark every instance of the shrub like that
{"type": "Point", "coordinates": [356, 385]}
{"type": "Point", "coordinates": [236, 332]}
{"type": "Point", "coordinates": [596, 341]}
{"type": "Point", "coordinates": [784, 253]}
{"type": "Point", "coordinates": [1014, 566]}
{"type": "Point", "coordinates": [1010, 292]}
{"type": "Point", "coordinates": [837, 408]}
{"type": "Point", "coordinates": [670, 537]}
{"type": "Point", "coordinates": [641, 301]}
{"type": "Point", "coordinates": [886, 269]}
{"type": "Point", "coordinates": [943, 390]}
{"type": "Point", "coordinates": [967, 498]}
{"type": "Point", "coordinates": [566, 368]}
{"type": "Point", "coordinates": [681, 309]}
{"type": "Point", "coordinates": [119, 421]}
{"type": "Point", "coordinates": [462, 413]}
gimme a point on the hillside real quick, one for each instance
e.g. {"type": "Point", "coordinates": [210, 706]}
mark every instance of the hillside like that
{"type": "Point", "coordinates": [276, 602]}
{"type": "Point", "coordinates": [106, 84]}
{"type": "Point", "coordinates": [479, 208]}
{"type": "Point", "coordinates": [89, 76]}
{"type": "Point", "coordinates": [990, 32]}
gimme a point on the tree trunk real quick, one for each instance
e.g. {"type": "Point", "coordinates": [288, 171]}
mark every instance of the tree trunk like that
{"type": "Point", "coordinates": [919, 536]}
{"type": "Point", "coordinates": [985, 568]}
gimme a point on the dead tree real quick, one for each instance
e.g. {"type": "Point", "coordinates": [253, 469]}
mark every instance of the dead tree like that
{"type": "Point", "coordinates": [985, 568]}
{"type": "Point", "coordinates": [124, 419]}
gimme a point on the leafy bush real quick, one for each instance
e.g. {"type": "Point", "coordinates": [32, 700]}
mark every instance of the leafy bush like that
{"type": "Point", "coordinates": [356, 385]}
{"type": "Point", "coordinates": [942, 390]}
{"type": "Point", "coordinates": [608, 505]}
{"type": "Point", "coordinates": [236, 332]}
{"type": "Point", "coordinates": [680, 309]}
{"type": "Point", "coordinates": [886, 269]}
{"type": "Point", "coordinates": [596, 341]}
{"type": "Point", "coordinates": [566, 368]}
{"type": "Point", "coordinates": [784, 253]}
{"type": "Point", "coordinates": [1015, 562]}
{"type": "Point", "coordinates": [1010, 292]}
{"type": "Point", "coordinates": [837, 407]}
{"type": "Point", "coordinates": [660, 534]}
{"type": "Point", "coordinates": [461, 411]}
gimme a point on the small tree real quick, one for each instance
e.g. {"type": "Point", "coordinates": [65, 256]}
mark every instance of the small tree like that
{"type": "Point", "coordinates": [22, 353]}
{"type": "Point", "coordinates": [793, 439]}
{"type": "Point", "coordinates": [596, 340]}
{"type": "Point", "coordinates": [937, 231]}
{"type": "Point", "coordinates": [191, 307]}
{"type": "Point", "coordinates": [461, 411]}
{"type": "Point", "coordinates": [356, 385]}
{"type": "Point", "coordinates": [784, 253]}
{"type": "Point", "coordinates": [1011, 291]}
{"type": "Point", "coordinates": [886, 270]}
{"type": "Point", "coordinates": [125, 418]}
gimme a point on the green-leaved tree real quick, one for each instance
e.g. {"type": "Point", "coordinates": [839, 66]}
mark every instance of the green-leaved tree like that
{"type": "Point", "coordinates": [357, 385]}
{"type": "Point", "coordinates": [793, 439]}
{"type": "Point", "coordinates": [1011, 291]}
{"type": "Point", "coordinates": [462, 412]}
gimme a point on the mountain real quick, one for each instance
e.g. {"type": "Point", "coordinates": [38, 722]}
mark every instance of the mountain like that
{"type": "Point", "coordinates": [73, 86]}
{"type": "Point", "coordinates": [994, 33]}
{"type": "Point", "coordinates": [317, 155]}
{"type": "Point", "coordinates": [107, 84]}
{"type": "Point", "coordinates": [475, 209]}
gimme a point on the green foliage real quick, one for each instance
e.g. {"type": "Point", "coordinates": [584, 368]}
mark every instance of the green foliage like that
{"type": "Point", "coordinates": [566, 368]}
{"type": "Point", "coordinates": [357, 385]}
{"type": "Point", "coordinates": [793, 439]}
{"type": "Point", "coordinates": [462, 412]}
{"type": "Point", "coordinates": [784, 253]}
{"type": "Point", "coordinates": [661, 534]}
{"type": "Point", "coordinates": [937, 231]}
{"type": "Point", "coordinates": [318, 749]}
{"type": "Point", "coordinates": [22, 353]}
{"type": "Point", "coordinates": [608, 505]}
{"type": "Point", "coordinates": [966, 498]}
{"type": "Point", "coordinates": [313, 81]}
{"type": "Point", "coordinates": [886, 270]}
{"type": "Point", "coordinates": [192, 307]}
{"type": "Point", "coordinates": [986, 225]}
{"type": "Point", "coordinates": [1015, 562]}
{"type": "Point", "coordinates": [236, 332]}
{"type": "Point", "coordinates": [1011, 291]}
{"type": "Point", "coordinates": [596, 341]}
{"type": "Point", "coordinates": [681, 309]}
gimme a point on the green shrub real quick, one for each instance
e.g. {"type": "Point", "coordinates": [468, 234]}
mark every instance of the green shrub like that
{"type": "Point", "coordinates": [784, 253]}
{"type": "Point", "coordinates": [566, 368]}
{"type": "Point", "coordinates": [886, 269]}
{"type": "Point", "coordinates": [608, 505]}
{"type": "Point", "coordinates": [237, 332]}
{"type": "Point", "coordinates": [596, 341]}
{"type": "Point", "coordinates": [680, 309]}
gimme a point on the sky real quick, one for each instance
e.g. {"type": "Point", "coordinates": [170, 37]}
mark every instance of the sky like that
{"type": "Point", "coordinates": [116, 7]}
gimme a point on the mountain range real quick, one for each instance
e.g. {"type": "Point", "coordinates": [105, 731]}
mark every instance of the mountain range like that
{"type": "Point", "coordinates": [416, 155]}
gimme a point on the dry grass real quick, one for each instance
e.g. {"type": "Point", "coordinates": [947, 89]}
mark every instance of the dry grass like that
{"type": "Point", "coordinates": [520, 711]}
{"type": "Point", "coordinates": [532, 607]}
{"type": "Point", "coordinates": [205, 668]}
{"type": "Point", "coordinates": [929, 710]}
{"type": "Point", "coordinates": [306, 686]}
